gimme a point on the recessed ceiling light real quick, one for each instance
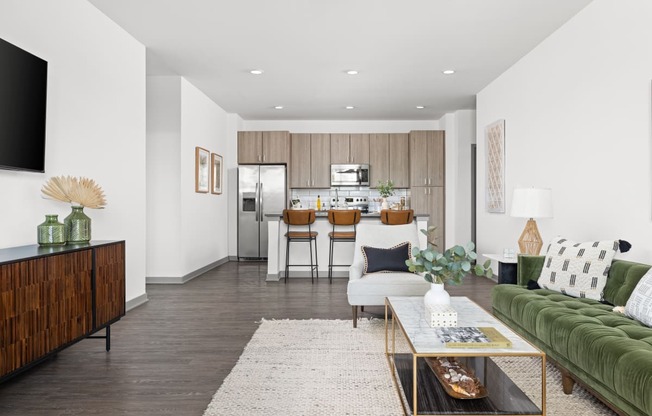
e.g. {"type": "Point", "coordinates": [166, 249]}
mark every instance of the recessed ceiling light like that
{"type": "Point", "coordinates": [448, 71]}
{"type": "Point", "coordinates": [420, 107]}
{"type": "Point", "coordinates": [256, 71]}
{"type": "Point", "coordinates": [278, 107]}
{"type": "Point", "coordinates": [349, 107]}
{"type": "Point", "coordinates": [352, 72]}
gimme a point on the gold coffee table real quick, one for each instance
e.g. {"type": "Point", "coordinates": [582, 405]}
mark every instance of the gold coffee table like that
{"type": "Point", "coordinates": [418, 388]}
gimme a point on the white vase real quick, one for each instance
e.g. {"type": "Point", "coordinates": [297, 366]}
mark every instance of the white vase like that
{"type": "Point", "coordinates": [385, 204]}
{"type": "Point", "coordinates": [436, 296]}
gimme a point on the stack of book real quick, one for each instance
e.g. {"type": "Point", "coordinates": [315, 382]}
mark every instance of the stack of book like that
{"type": "Point", "coordinates": [472, 337]}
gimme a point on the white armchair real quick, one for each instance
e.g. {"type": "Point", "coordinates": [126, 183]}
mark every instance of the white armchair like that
{"type": "Point", "coordinates": [371, 289]}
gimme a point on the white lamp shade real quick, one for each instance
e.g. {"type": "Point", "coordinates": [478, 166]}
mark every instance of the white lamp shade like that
{"type": "Point", "coordinates": [532, 203]}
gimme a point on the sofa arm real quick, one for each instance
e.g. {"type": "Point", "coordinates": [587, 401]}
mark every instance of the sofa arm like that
{"type": "Point", "coordinates": [355, 271]}
{"type": "Point", "coordinates": [529, 268]}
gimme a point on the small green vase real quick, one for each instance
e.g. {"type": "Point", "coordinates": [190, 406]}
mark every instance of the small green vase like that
{"type": "Point", "coordinates": [78, 226]}
{"type": "Point", "coordinates": [51, 232]}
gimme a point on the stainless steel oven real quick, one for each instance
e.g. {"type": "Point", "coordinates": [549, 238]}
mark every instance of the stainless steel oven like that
{"type": "Point", "coordinates": [349, 175]}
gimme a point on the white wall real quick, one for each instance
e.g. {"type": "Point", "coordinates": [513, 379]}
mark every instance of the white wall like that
{"type": "Point", "coordinates": [95, 124]}
{"type": "Point", "coordinates": [204, 217]}
{"type": "Point", "coordinates": [187, 231]}
{"type": "Point", "coordinates": [460, 133]}
{"type": "Point", "coordinates": [164, 176]}
{"type": "Point", "coordinates": [234, 124]}
{"type": "Point", "coordinates": [577, 119]}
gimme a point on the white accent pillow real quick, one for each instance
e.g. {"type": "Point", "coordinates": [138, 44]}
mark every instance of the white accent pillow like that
{"type": "Point", "coordinates": [639, 304]}
{"type": "Point", "coordinates": [577, 269]}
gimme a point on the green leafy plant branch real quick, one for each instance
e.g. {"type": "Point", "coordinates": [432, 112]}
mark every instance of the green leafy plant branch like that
{"type": "Point", "coordinates": [451, 266]}
{"type": "Point", "coordinates": [385, 189]}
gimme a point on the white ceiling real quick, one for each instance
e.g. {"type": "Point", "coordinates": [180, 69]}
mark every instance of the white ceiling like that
{"type": "Point", "coordinates": [400, 48]}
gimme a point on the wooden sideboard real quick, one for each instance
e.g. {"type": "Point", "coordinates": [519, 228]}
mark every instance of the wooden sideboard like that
{"type": "Point", "coordinates": [53, 297]}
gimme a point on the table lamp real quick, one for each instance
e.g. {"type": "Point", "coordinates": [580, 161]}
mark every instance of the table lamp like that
{"type": "Point", "coordinates": [531, 203]}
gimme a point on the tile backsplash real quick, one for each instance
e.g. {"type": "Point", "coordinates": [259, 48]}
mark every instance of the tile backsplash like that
{"type": "Point", "coordinates": [308, 197]}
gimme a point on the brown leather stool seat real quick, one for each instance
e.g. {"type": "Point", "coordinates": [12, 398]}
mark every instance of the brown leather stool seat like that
{"type": "Point", "coordinates": [341, 218]}
{"type": "Point", "coordinates": [396, 217]}
{"type": "Point", "coordinates": [300, 220]}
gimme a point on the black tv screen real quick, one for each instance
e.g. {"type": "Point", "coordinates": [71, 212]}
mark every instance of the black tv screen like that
{"type": "Point", "coordinates": [23, 97]}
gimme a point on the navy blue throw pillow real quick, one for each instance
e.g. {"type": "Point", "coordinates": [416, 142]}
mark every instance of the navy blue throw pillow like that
{"type": "Point", "coordinates": [386, 259]}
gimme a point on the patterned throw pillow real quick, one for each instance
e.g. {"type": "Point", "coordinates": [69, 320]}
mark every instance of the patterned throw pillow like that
{"type": "Point", "coordinates": [577, 269]}
{"type": "Point", "coordinates": [639, 304]}
{"type": "Point", "coordinates": [386, 259]}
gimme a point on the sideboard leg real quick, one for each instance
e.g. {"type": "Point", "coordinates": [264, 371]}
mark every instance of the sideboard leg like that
{"type": "Point", "coordinates": [108, 338]}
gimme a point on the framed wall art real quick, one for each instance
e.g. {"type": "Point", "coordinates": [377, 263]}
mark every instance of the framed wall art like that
{"type": "Point", "coordinates": [495, 165]}
{"type": "Point", "coordinates": [202, 165]}
{"type": "Point", "coordinates": [216, 173]}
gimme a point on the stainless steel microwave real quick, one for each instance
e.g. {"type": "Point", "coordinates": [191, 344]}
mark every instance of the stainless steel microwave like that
{"type": "Point", "coordinates": [349, 175]}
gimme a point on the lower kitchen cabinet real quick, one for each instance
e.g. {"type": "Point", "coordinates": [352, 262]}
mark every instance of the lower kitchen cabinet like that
{"type": "Point", "coordinates": [430, 200]}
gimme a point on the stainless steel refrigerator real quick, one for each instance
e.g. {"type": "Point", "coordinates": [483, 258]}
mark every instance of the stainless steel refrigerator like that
{"type": "Point", "coordinates": [261, 190]}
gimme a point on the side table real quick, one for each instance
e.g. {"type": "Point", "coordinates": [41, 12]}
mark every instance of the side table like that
{"type": "Point", "coordinates": [507, 267]}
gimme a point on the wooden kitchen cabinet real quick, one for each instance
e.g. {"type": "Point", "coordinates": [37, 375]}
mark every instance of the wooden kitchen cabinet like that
{"type": "Point", "coordinates": [389, 158]}
{"type": "Point", "coordinates": [310, 161]}
{"type": "Point", "coordinates": [427, 158]}
{"type": "Point", "coordinates": [399, 160]}
{"type": "Point", "coordinates": [378, 158]}
{"type": "Point", "coordinates": [339, 148]}
{"type": "Point", "coordinates": [263, 147]}
{"type": "Point", "coordinates": [249, 146]}
{"type": "Point", "coordinates": [350, 149]}
{"type": "Point", "coordinates": [430, 200]}
{"type": "Point", "coordinates": [359, 149]}
{"type": "Point", "coordinates": [320, 161]}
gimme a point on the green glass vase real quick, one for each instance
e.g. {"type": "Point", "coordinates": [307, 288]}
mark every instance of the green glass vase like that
{"type": "Point", "coordinates": [78, 226]}
{"type": "Point", "coordinates": [51, 232]}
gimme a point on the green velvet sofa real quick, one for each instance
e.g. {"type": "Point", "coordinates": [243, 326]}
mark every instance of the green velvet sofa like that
{"type": "Point", "coordinates": [605, 351]}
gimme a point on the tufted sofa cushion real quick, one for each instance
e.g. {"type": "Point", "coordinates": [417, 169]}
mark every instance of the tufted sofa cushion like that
{"type": "Point", "coordinates": [623, 277]}
{"type": "Point", "coordinates": [614, 351]}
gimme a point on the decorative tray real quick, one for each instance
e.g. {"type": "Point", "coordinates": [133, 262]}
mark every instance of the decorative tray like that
{"type": "Point", "coordinates": [456, 379]}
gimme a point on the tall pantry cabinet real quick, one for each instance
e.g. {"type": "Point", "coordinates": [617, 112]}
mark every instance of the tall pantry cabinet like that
{"type": "Point", "coordinates": [427, 178]}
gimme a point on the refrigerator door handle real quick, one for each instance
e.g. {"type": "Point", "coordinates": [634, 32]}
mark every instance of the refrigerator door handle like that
{"type": "Point", "coordinates": [261, 202]}
{"type": "Point", "coordinates": [257, 200]}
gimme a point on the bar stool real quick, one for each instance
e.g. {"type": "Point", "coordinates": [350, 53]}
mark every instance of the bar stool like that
{"type": "Point", "coordinates": [341, 218]}
{"type": "Point", "coordinates": [300, 218]}
{"type": "Point", "coordinates": [396, 217]}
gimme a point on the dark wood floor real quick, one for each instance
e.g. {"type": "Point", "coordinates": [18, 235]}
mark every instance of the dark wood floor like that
{"type": "Point", "coordinates": [170, 355]}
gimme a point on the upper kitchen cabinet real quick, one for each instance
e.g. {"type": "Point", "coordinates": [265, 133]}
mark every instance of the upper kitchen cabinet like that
{"type": "Point", "coordinates": [264, 147]}
{"type": "Point", "coordinates": [339, 148]}
{"type": "Point", "coordinates": [359, 148]}
{"type": "Point", "coordinates": [378, 158]}
{"type": "Point", "coordinates": [349, 148]}
{"type": "Point", "coordinates": [427, 158]}
{"type": "Point", "coordinates": [399, 160]}
{"type": "Point", "coordinates": [310, 161]}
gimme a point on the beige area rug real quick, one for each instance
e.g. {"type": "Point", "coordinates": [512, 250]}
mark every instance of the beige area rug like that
{"type": "Point", "coordinates": [325, 367]}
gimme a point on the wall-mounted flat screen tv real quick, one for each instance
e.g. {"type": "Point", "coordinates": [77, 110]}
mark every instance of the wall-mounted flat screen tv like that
{"type": "Point", "coordinates": [23, 99]}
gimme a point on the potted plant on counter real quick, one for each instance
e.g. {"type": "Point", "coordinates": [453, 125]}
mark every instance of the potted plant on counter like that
{"type": "Point", "coordinates": [450, 266]}
{"type": "Point", "coordinates": [385, 189]}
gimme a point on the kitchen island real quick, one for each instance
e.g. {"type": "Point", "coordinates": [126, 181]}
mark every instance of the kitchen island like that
{"type": "Point", "coordinates": [300, 251]}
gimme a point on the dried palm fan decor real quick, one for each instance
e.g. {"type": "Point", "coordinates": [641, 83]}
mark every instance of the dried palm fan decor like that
{"type": "Point", "coordinates": [80, 192]}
